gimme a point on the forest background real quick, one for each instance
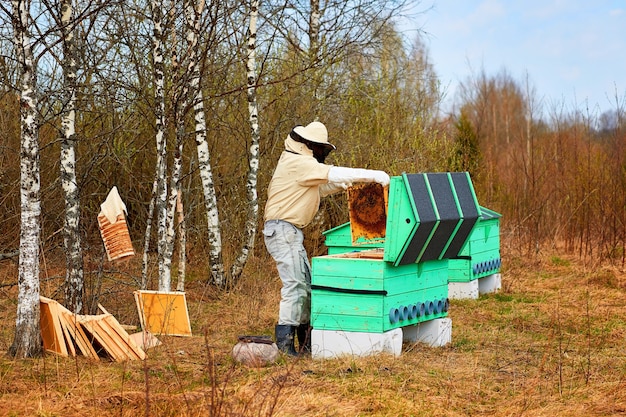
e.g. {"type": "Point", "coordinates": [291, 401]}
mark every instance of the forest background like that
{"type": "Point", "coordinates": [557, 175]}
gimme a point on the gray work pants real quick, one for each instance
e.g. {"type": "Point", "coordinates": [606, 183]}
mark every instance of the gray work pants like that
{"type": "Point", "coordinates": [284, 242]}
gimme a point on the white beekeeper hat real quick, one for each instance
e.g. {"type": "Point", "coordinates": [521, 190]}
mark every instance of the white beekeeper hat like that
{"type": "Point", "coordinates": [314, 132]}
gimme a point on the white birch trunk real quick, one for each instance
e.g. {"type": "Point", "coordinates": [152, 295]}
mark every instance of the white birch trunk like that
{"type": "Point", "coordinates": [181, 101]}
{"type": "Point", "coordinates": [182, 243]}
{"type": "Point", "coordinates": [73, 251]}
{"type": "Point", "coordinates": [161, 144]}
{"type": "Point", "coordinates": [314, 29]}
{"type": "Point", "coordinates": [204, 163]}
{"type": "Point", "coordinates": [146, 241]}
{"type": "Point", "coordinates": [27, 341]}
{"type": "Point", "coordinates": [168, 239]}
{"type": "Point", "coordinates": [251, 185]}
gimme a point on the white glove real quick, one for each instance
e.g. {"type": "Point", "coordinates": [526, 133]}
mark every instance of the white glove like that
{"type": "Point", "coordinates": [331, 188]}
{"type": "Point", "coordinates": [344, 177]}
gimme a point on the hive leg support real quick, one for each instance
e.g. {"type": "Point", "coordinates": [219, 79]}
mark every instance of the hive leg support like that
{"type": "Point", "coordinates": [336, 343]}
{"type": "Point", "coordinates": [463, 290]}
{"type": "Point", "coordinates": [490, 284]}
{"type": "Point", "coordinates": [435, 333]}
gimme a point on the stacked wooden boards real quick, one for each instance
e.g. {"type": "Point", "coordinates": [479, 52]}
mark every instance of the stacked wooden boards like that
{"type": "Point", "coordinates": [93, 336]}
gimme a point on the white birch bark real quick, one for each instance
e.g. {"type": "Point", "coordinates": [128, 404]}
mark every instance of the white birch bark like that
{"type": "Point", "coordinates": [251, 185]}
{"type": "Point", "coordinates": [204, 164]}
{"type": "Point", "coordinates": [314, 29]}
{"type": "Point", "coordinates": [182, 243]}
{"type": "Point", "coordinates": [177, 163]}
{"type": "Point", "coordinates": [161, 144]}
{"type": "Point", "coordinates": [27, 341]}
{"type": "Point", "coordinates": [73, 251]}
{"type": "Point", "coordinates": [181, 101]}
{"type": "Point", "coordinates": [146, 241]}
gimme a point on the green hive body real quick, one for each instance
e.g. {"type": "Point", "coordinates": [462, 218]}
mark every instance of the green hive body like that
{"type": "Point", "coordinates": [370, 295]}
{"type": "Point", "coordinates": [480, 256]}
{"type": "Point", "coordinates": [402, 279]}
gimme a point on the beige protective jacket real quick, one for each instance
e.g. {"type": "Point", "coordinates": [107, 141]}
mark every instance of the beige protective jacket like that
{"type": "Point", "coordinates": [296, 186]}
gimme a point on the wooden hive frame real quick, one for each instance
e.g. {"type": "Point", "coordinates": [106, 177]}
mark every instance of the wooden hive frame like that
{"type": "Point", "coordinates": [163, 312]}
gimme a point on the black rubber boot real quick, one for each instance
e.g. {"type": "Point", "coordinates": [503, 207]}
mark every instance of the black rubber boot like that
{"type": "Point", "coordinates": [284, 339]}
{"type": "Point", "coordinates": [304, 337]}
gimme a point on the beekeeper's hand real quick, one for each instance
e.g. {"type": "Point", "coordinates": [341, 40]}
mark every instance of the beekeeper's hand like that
{"type": "Point", "coordinates": [345, 177]}
{"type": "Point", "coordinates": [381, 177]}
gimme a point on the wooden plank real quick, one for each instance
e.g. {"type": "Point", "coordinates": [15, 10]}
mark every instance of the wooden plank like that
{"type": "Point", "coordinates": [123, 334]}
{"type": "Point", "coordinates": [69, 341]}
{"type": "Point", "coordinates": [59, 311]}
{"type": "Point", "coordinates": [145, 340]}
{"type": "Point", "coordinates": [68, 321]}
{"type": "Point", "coordinates": [89, 324]}
{"type": "Point", "coordinates": [113, 343]}
{"type": "Point", "coordinates": [124, 337]}
{"type": "Point", "coordinates": [54, 334]}
{"type": "Point", "coordinates": [139, 303]}
{"type": "Point", "coordinates": [116, 237]}
{"type": "Point", "coordinates": [48, 334]}
{"type": "Point", "coordinates": [80, 338]}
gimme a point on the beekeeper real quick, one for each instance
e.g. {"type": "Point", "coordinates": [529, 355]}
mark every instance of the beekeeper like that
{"type": "Point", "coordinates": [293, 199]}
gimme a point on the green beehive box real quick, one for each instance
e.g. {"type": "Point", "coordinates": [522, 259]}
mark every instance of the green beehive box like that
{"type": "Point", "coordinates": [480, 256]}
{"type": "Point", "coordinates": [339, 240]}
{"type": "Point", "coordinates": [361, 292]}
{"type": "Point", "coordinates": [379, 285]}
{"type": "Point", "coordinates": [429, 217]}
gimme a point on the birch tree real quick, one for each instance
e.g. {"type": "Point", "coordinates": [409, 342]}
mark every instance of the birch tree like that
{"type": "Point", "coordinates": [174, 197]}
{"type": "Point", "coordinates": [27, 341]}
{"type": "Point", "coordinates": [180, 99]}
{"type": "Point", "coordinates": [192, 13]}
{"type": "Point", "coordinates": [73, 251]}
{"type": "Point", "coordinates": [253, 157]}
{"type": "Point", "coordinates": [161, 145]}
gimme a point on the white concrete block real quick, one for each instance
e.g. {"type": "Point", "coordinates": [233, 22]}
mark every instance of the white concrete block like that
{"type": "Point", "coordinates": [335, 343]}
{"type": "Point", "coordinates": [490, 284]}
{"type": "Point", "coordinates": [463, 290]}
{"type": "Point", "coordinates": [435, 333]}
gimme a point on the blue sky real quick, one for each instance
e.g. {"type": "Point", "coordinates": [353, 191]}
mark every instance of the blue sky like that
{"type": "Point", "coordinates": [573, 52]}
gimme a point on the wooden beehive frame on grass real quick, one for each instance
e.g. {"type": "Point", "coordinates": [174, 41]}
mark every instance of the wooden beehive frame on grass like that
{"type": "Point", "coordinates": [163, 313]}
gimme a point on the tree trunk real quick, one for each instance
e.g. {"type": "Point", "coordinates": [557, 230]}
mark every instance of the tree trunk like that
{"type": "Point", "coordinates": [146, 241]}
{"type": "Point", "coordinates": [182, 243]}
{"type": "Point", "coordinates": [251, 185]}
{"type": "Point", "coordinates": [27, 341]}
{"type": "Point", "coordinates": [161, 145]}
{"type": "Point", "coordinates": [73, 250]}
{"type": "Point", "coordinates": [204, 162]}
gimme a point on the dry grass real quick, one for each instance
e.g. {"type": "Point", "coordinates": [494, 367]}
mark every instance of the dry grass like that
{"type": "Point", "coordinates": [551, 343]}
